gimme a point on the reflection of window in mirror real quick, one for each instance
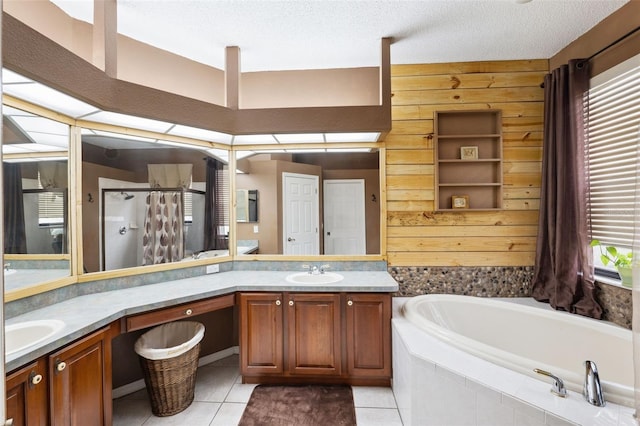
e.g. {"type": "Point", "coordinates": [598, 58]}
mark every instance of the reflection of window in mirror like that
{"type": "Point", "coordinates": [143, 185]}
{"type": "Point", "coordinates": [35, 194]}
{"type": "Point", "coordinates": [348, 212]}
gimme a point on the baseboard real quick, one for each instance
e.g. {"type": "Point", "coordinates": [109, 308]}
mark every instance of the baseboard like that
{"type": "Point", "coordinates": [208, 359]}
{"type": "Point", "coordinates": [132, 387]}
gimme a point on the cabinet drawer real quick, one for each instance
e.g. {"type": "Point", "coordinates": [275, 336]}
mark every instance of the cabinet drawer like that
{"type": "Point", "coordinates": [161, 316]}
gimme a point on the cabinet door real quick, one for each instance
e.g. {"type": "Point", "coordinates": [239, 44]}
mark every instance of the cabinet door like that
{"type": "Point", "coordinates": [27, 395]}
{"type": "Point", "coordinates": [261, 341]}
{"type": "Point", "coordinates": [314, 334]}
{"type": "Point", "coordinates": [368, 322]}
{"type": "Point", "coordinates": [80, 382]}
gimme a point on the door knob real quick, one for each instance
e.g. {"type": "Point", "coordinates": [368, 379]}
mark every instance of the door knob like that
{"type": "Point", "coordinates": [291, 239]}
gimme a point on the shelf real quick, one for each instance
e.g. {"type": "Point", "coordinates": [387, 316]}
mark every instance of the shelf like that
{"type": "Point", "coordinates": [477, 179]}
{"type": "Point", "coordinates": [478, 136]}
{"type": "Point", "coordinates": [471, 210]}
{"type": "Point", "coordinates": [450, 185]}
{"type": "Point", "coordinates": [479, 160]}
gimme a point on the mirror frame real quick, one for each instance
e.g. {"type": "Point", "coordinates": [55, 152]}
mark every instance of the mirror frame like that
{"type": "Point", "coordinates": [382, 256]}
{"type": "Point", "coordinates": [78, 276]}
{"type": "Point", "coordinates": [138, 270]}
{"type": "Point", "coordinates": [46, 285]}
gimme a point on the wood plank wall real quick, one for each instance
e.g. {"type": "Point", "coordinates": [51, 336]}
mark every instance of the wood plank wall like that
{"type": "Point", "coordinates": [417, 235]}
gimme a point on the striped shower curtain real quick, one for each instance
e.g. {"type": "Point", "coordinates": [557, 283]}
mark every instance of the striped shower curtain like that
{"type": "Point", "coordinates": [163, 240]}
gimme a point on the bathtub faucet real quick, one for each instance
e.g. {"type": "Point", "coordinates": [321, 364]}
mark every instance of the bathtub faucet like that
{"type": "Point", "coordinates": [592, 390]}
{"type": "Point", "coordinates": [557, 387]}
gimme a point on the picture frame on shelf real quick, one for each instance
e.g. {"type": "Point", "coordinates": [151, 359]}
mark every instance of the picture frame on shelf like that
{"type": "Point", "coordinates": [459, 202]}
{"type": "Point", "coordinates": [468, 152]}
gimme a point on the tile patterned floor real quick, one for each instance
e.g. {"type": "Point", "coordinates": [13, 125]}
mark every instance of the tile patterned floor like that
{"type": "Point", "coordinates": [220, 398]}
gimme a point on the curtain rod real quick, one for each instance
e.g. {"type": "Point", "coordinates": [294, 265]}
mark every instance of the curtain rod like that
{"type": "Point", "coordinates": [610, 45]}
{"type": "Point", "coordinates": [607, 47]}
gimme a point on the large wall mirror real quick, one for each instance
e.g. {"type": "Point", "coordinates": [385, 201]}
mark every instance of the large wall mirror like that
{"type": "Point", "coordinates": [311, 203]}
{"type": "Point", "coordinates": [36, 199]}
{"type": "Point", "coordinates": [148, 201]}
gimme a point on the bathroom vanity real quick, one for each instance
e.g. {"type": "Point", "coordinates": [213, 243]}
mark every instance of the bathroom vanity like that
{"type": "Point", "coordinates": [69, 386]}
{"type": "Point", "coordinates": [293, 337]}
{"type": "Point", "coordinates": [313, 332]}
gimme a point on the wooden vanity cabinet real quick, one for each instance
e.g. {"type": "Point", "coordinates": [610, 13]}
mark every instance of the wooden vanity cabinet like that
{"type": "Point", "coordinates": [368, 324]}
{"type": "Point", "coordinates": [315, 337]}
{"type": "Point", "coordinates": [26, 390]}
{"type": "Point", "coordinates": [71, 386]}
{"type": "Point", "coordinates": [261, 336]}
{"type": "Point", "coordinates": [80, 381]}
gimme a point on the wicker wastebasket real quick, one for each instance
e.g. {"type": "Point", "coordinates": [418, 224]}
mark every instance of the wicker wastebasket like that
{"type": "Point", "coordinates": [169, 359]}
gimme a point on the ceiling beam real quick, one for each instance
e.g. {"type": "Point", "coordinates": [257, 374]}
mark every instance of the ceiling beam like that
{"type": "Point", "coordinates": [232, 77]}
{"type": "Point", "coordinates": [33, 55]}
{"type": "Point", "coordinates": [105, 36]}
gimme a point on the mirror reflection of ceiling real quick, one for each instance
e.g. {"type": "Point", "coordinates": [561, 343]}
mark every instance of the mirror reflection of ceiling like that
{"type": "Point", "coordinates": [20, 87]}
{"type": "Point", "coordinates": [26, 133]}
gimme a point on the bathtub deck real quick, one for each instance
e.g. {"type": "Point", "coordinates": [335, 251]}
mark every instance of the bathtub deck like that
{"type": "Point", "coordinates": [435, 383]}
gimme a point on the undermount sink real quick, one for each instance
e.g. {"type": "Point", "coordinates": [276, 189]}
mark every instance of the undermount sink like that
{"type": "Point", "coordinates": [320, 278]}
{"type": "Point", "coordinates": [24, 334]}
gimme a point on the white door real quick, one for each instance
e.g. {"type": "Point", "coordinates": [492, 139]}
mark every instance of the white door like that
{"type": "Point", "coordinates": [300, 214]}
{"type": "Point", "coordinates": [344, 218]}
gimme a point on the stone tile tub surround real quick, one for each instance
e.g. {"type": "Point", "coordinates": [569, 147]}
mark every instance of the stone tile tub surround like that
{"type": "Point", "coordinates": [499, 281]}
{"type": "Point", "coordinates": [435, 383]}
{"type": "Point", "coordinates": [59, 295]}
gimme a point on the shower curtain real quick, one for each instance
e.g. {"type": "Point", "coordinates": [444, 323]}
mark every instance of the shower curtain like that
{"type": "Point", "coordinates": [163, 240]}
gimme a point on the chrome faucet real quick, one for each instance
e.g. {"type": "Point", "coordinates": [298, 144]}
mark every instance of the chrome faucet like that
{"type": "Point", "coordinates": [557, 387]}
{"type": "Point", "coordinates": [592, 390]}
{"type": "Point", "coordinates": [324, 268]}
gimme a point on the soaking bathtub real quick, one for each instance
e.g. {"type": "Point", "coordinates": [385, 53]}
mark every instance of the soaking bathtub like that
{"type": "Point", "coordinates": [495, 344]}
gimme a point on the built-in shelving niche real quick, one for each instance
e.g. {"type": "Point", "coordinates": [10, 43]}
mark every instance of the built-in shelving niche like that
{"type": "Point", "coordinates": [476, 174]}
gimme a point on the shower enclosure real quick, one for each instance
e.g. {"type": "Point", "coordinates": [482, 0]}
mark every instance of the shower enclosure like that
{"type": "Point", "coordinates": [132, 218]}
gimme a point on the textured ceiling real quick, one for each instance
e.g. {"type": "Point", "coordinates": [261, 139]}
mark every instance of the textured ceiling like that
{"type": "Point", "coordinates": [302, 34]}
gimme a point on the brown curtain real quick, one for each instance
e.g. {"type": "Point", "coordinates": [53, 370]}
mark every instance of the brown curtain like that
{"type": "Point", "coordinates": [214, 205]}
{"type": "Point", "coordinates": [563, 274]}
{"type": "Point", "coordinates": [15, 237]}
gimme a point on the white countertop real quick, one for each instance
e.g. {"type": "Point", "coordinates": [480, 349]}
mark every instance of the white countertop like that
{"type": "Point", "coordinates": [84, 314]}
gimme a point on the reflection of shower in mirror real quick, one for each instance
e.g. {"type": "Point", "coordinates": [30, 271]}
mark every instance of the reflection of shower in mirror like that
{"type": "Point", "coordinates": [127, 196]}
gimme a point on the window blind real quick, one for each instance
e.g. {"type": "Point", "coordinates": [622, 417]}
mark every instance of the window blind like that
{"type": "Point", "coordinates": [613, 131]}
{"type": "Point", "coordinates": [50, 206]}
